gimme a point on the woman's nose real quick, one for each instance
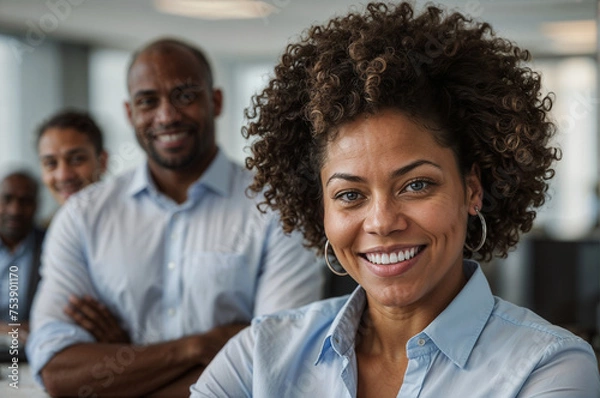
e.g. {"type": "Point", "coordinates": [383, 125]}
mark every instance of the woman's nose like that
{"type": "Point", "coordinates": [384, 216]}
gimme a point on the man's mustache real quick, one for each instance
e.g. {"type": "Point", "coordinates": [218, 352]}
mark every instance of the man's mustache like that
{"type": "Point", "coordinates": [6, 218]}
{"type": "Point", "coordinates": [171, 128]}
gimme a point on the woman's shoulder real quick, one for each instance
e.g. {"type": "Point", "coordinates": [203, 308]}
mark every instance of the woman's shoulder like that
{"type": "Point", "coordinates": [296, 336]}
{"type": "Point", "coordinates": [311, 322]}
{"type": "Point", "coordinates": [535, 352]}
{"type": "Point", "coordinates": [310, 315]}
{"type": "Point", "coordinates": [514, 316]}
{"type": "Point", "coordinates": [527, 329]}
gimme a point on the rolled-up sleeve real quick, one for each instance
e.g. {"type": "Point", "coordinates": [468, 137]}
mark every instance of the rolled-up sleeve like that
{"type": "Point", "coordinates": [64, 273]}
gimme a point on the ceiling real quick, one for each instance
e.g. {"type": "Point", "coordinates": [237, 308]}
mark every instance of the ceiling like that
{"type": "Point", "coordinates": [126, 24]}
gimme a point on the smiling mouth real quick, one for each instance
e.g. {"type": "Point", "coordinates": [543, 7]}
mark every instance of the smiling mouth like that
{"type": "Point", "coordinates": [69, 189]}
{"type": "Point", "coordinates": [167, 138]}
{"type": "Point", "coordinates": [381, 258]}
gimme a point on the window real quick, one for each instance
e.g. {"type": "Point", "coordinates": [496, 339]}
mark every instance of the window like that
{"type": "Point", "coordinates": [10, 149]}
{"type": "Point", "coordinates": [108, 92]}
{"type": "Point", "coordinates": [572, 210]}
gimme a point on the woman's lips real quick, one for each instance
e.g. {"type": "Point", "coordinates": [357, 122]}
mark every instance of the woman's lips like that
{"type": "Point", "coordinates": [392, 262]}
{"type": "Point", "coordinates": [393, 256]}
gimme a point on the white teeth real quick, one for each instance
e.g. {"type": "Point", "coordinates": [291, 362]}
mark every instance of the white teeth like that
{"type": "Point", "coordinates": [392, 258]}
{"type": "Point", "coordinates": [170, 137]}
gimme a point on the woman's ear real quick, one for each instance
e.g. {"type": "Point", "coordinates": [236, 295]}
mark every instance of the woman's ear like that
{"type": "Point", "coordinates": [474, 189]}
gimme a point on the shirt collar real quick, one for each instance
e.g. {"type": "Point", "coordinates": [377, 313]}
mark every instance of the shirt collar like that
{"type": "Point", "coordinates": [342, 332]}
{"type": "Point", "coordinates": [141, 180]}
{"type": "Point", "coordinates": [456, 330]}
{"type": "Point", "coordinates": [21, 247]}
{"type": "Point", "coordinates": [218, 175]}
{"type": "Point", "coordinates": [216, 178]}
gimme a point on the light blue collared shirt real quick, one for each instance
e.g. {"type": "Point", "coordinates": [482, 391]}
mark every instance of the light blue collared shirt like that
{"type": "Point", "coordinates": [167, 270]}
{"type": "Point", "coordinates": [23, 260]}
{"type": "Point", "coordinates": [480, 346]}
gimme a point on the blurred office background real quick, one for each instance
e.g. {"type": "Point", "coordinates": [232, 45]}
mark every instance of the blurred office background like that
{"type": "Point", "coordinates": [58, 53]}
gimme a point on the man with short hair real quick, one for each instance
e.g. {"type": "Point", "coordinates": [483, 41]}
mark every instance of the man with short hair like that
{"type": "Point", "coordinates": [71, 153]}
{"type": "Point", "coordinates": [20, 247]}
{"type": "Point", "coordinates": [174, 249]}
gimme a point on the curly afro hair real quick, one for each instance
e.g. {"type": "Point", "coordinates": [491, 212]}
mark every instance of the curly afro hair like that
{"type": "Point", "coordinates": [453, 75]}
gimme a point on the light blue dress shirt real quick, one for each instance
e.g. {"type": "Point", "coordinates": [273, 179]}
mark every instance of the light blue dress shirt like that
{"type": "Point", "coordinates": [167, 270]}
{"type": "Point", "coordinates": [23, 259]}
{"type": "Point", "coordinates": [480, 346]}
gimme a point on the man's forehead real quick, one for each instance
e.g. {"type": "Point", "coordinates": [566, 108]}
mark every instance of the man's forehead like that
{"type": "Point", "coordinates": [64, 137]}
{"type": "Point", "coordinates": [151, 75]}
{"type": "Point", "coordinates": [171, 68]}
{"type": "Point", "coordinates": [17, 184]}
{"type": "Point", "coordinates": [166, 88]}
{"type": "Point", "coordinates": [66, 149]}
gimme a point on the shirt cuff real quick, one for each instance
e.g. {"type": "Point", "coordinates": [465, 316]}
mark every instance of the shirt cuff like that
{"type": "Point", "coordinates": [49, 340]}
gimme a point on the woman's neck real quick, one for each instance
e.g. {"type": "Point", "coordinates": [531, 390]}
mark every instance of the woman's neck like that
{"type": "Point", "coordinates": [385, 330]}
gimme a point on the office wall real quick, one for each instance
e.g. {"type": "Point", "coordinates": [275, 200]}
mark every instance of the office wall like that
{"type": "Point", "coordinates": [35, 84]}
{"type": "Point", "coordinates": [56, 75]}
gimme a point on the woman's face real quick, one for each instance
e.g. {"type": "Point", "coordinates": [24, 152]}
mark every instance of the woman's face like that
{"type": "Point", "coordinates": [396, 210]}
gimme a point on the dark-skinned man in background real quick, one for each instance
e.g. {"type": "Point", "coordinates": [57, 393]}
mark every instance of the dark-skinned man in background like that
{"type": "Point", "coordinates": [20, 248]}
{"type": "Point", "coordinates": [174, 249]}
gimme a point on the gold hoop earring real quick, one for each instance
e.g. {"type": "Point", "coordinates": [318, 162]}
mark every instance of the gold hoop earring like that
{"type": "Point", "coordinates": [338, 273]}
{"type": "Point", "coordinates": [483, 232]}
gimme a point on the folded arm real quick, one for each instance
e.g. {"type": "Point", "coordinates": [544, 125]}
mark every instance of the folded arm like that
{"type": "Point", "coordinates": [128, 370]}
{"type": "Point", "coordinates": [94, 317]}
{"type": "Point", "coordinates": [179, 387]}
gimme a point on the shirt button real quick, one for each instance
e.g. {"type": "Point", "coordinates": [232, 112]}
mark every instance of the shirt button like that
{"type": "Point", "coordinates": [171, 311]}
{"type": "Point", "coordinates": [173, 236]}
{"type": "Point", "coordinates": [421, 342]}
{"type": "Point", "coordinates": [171, 265]}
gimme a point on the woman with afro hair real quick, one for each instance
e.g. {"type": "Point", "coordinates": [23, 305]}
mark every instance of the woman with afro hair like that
{"type": "Point", "coordinates": [405, 147]}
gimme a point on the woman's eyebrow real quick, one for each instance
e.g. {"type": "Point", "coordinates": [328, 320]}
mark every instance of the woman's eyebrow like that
{"type": "Point", "coordinates": [409, 167]}
{"type": "Point", "coordinates": [345, 177]}
{"type": "Point", "coordinates": [396, 173]}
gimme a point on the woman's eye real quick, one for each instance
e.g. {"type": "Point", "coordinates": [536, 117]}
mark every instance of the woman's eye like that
{"type": "Point", "coordinates": [417, 186]}
{"type": "Point", "coordinates": [348, 196]}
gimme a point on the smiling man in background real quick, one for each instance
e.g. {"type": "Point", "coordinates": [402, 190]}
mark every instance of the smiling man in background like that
{"type": "Point", "coordinates": [174, 250]}
{"type": "Point", "coordinates": [71, 153]}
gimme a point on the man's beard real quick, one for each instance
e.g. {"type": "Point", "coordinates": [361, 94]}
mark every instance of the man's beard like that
{"type": "Point", "coordinates": [14, 233]}
{"type": "Point", "coordinates": [147, 141]}
{"type": "Point", "coordinates": [201, 146]}
{"type": "Point", "coordinates": [172, 164]}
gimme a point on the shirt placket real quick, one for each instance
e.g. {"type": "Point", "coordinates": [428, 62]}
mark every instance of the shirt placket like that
{"type": "Point", "coordinates": [419, 351]}
{"type": "Point", "coordinates": [172, 294]}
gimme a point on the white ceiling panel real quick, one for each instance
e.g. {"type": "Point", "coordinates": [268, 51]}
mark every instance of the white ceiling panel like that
{"type": "Point", "coordinates": [127, 24]}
